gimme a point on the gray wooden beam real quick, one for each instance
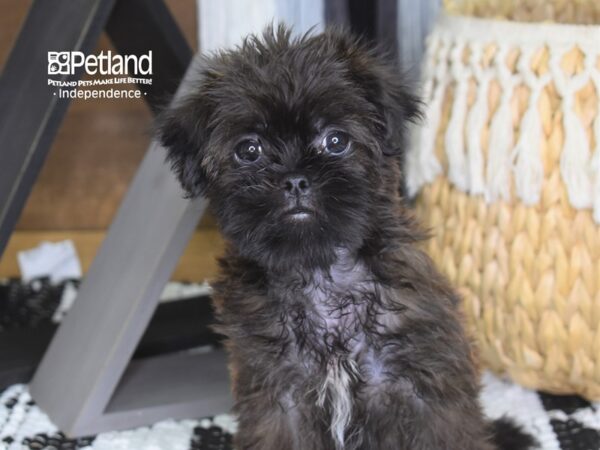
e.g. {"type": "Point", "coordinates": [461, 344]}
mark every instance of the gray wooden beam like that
{"type": "Point", "coordinates": [30, 113]}
{"type": "Point", "coordinates": [178, 386]}
{"type": "Point", "coordinates": [136, 26]}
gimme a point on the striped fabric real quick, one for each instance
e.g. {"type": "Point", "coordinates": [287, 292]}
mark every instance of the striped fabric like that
{"type": "Point", "coordinates": [558, 422]}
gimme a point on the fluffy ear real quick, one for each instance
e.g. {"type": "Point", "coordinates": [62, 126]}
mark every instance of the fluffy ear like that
{"type": "Point", "coordinates": [397, 105]}
{"type": "Point", "coordinates": [183, 130]}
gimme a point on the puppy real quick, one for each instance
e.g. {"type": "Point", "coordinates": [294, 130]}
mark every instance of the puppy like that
{"type": "Point", "coordinates": [341, 332]}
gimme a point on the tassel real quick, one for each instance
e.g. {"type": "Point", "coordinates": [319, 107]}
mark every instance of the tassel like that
{"type": "Point", "coordinates": [454, 139]}
{"type": "Point", "coordinates": [499, 161]}
{"type": "Point", "coordinates": [575, 158]}
{"type": "Point", "coordinates": [422, 163]}
{"type": "Point", "coordinates": [455, 133]}
{"type": "Point", "coordinates": [499, 154]}
{"type": "Point", "coordinates": [414, 180]}
{"type": "Point", "coordinates": [476, 121]}
{"type": "Point", "coordinates": [429, 165]}
{"type": "Point", "coordinates": [528, 169]}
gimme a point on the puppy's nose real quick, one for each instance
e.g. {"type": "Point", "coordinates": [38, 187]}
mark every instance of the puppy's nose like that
{"type": "Point", "coordinates": [296, 184]}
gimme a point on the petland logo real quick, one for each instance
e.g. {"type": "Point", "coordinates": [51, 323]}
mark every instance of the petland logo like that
{"type": "Point", "coordinates": [66, 63]}
{"type": "Point", "coordinates": [101, 69]}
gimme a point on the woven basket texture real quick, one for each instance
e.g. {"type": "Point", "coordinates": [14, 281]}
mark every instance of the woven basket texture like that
{"type": "Point", "coordinates": [507, 175]}
{"type": "Point", "coordinates": [559, 11]}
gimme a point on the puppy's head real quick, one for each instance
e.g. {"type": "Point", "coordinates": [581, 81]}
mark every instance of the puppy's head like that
{"type": "Point", "coordinates": [295, 141]}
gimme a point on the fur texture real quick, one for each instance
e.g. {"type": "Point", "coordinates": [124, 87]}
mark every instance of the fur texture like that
{"type": "Point", "coordinates": [341, 332]}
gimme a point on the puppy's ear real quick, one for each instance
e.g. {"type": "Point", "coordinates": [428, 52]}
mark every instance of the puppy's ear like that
{"type": "Point", "coordinates": [183, 129]}
{"type": "Point", "coordinates": [398, 107]}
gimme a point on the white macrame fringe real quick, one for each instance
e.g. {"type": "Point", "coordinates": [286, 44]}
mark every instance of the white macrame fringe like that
{"type": "Point", "coordinates": [575, 155]}
{"type": "Point", "coordinates": [528, 169]}
{"type": "Point", "coordinates": [475, 123]}
{"type": "Point", "coordinates": [455, 134]}
{"type": "Point", "coordinates": [423, 165]}
{"type": "Point", "coordinates": [575, 160]}
{"type": "Point", "coordinates": [412, 173]}
{"type": "Point", "coordinates": [499, 161]}
{"type": "Point", "coordinates": [507, 163]}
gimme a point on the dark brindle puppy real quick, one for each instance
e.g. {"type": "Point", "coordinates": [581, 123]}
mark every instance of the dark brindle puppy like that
{"type": "Point", "coordinates": [342, 333]}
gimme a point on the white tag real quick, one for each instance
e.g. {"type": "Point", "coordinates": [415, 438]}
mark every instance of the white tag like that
{"type": "Point", "coordinates": [180, 291]}
{"type": "Point", "coordinates": [56, 260]}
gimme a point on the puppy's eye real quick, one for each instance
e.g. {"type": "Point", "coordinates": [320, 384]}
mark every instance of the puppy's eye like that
{"type": "Point", "coordinates": [336, 143]}
{"type": "Point", "coordinates": [248, 151]}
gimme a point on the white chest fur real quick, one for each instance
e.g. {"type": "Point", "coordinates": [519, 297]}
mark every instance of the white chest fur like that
{"type": "Point", "coordinates": [342, 373]}
{"type": "Point", "coordinates": [338, 301]}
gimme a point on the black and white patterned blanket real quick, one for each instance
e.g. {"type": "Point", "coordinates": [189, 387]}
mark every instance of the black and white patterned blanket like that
{"type": "Point", "coordinates": [558, 422]}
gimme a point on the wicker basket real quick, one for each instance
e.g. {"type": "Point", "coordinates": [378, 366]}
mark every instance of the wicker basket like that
{"type": "Point", "coordinates": [507, 171]}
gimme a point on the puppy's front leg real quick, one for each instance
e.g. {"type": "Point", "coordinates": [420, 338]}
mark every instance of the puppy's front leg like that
{"type": "Point", "coordinates": [274, 415]}
{"type": "Point", "coordinates": [449, 428]}
{"type": "Point", "coordinates": [270, 425]}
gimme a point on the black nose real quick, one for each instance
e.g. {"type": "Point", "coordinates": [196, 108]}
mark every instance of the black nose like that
{"type": "Point", "coordinates": [296, 184]}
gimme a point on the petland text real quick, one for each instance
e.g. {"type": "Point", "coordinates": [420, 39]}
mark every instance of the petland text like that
{"type": "Point", "coordinates": [66, 63]}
